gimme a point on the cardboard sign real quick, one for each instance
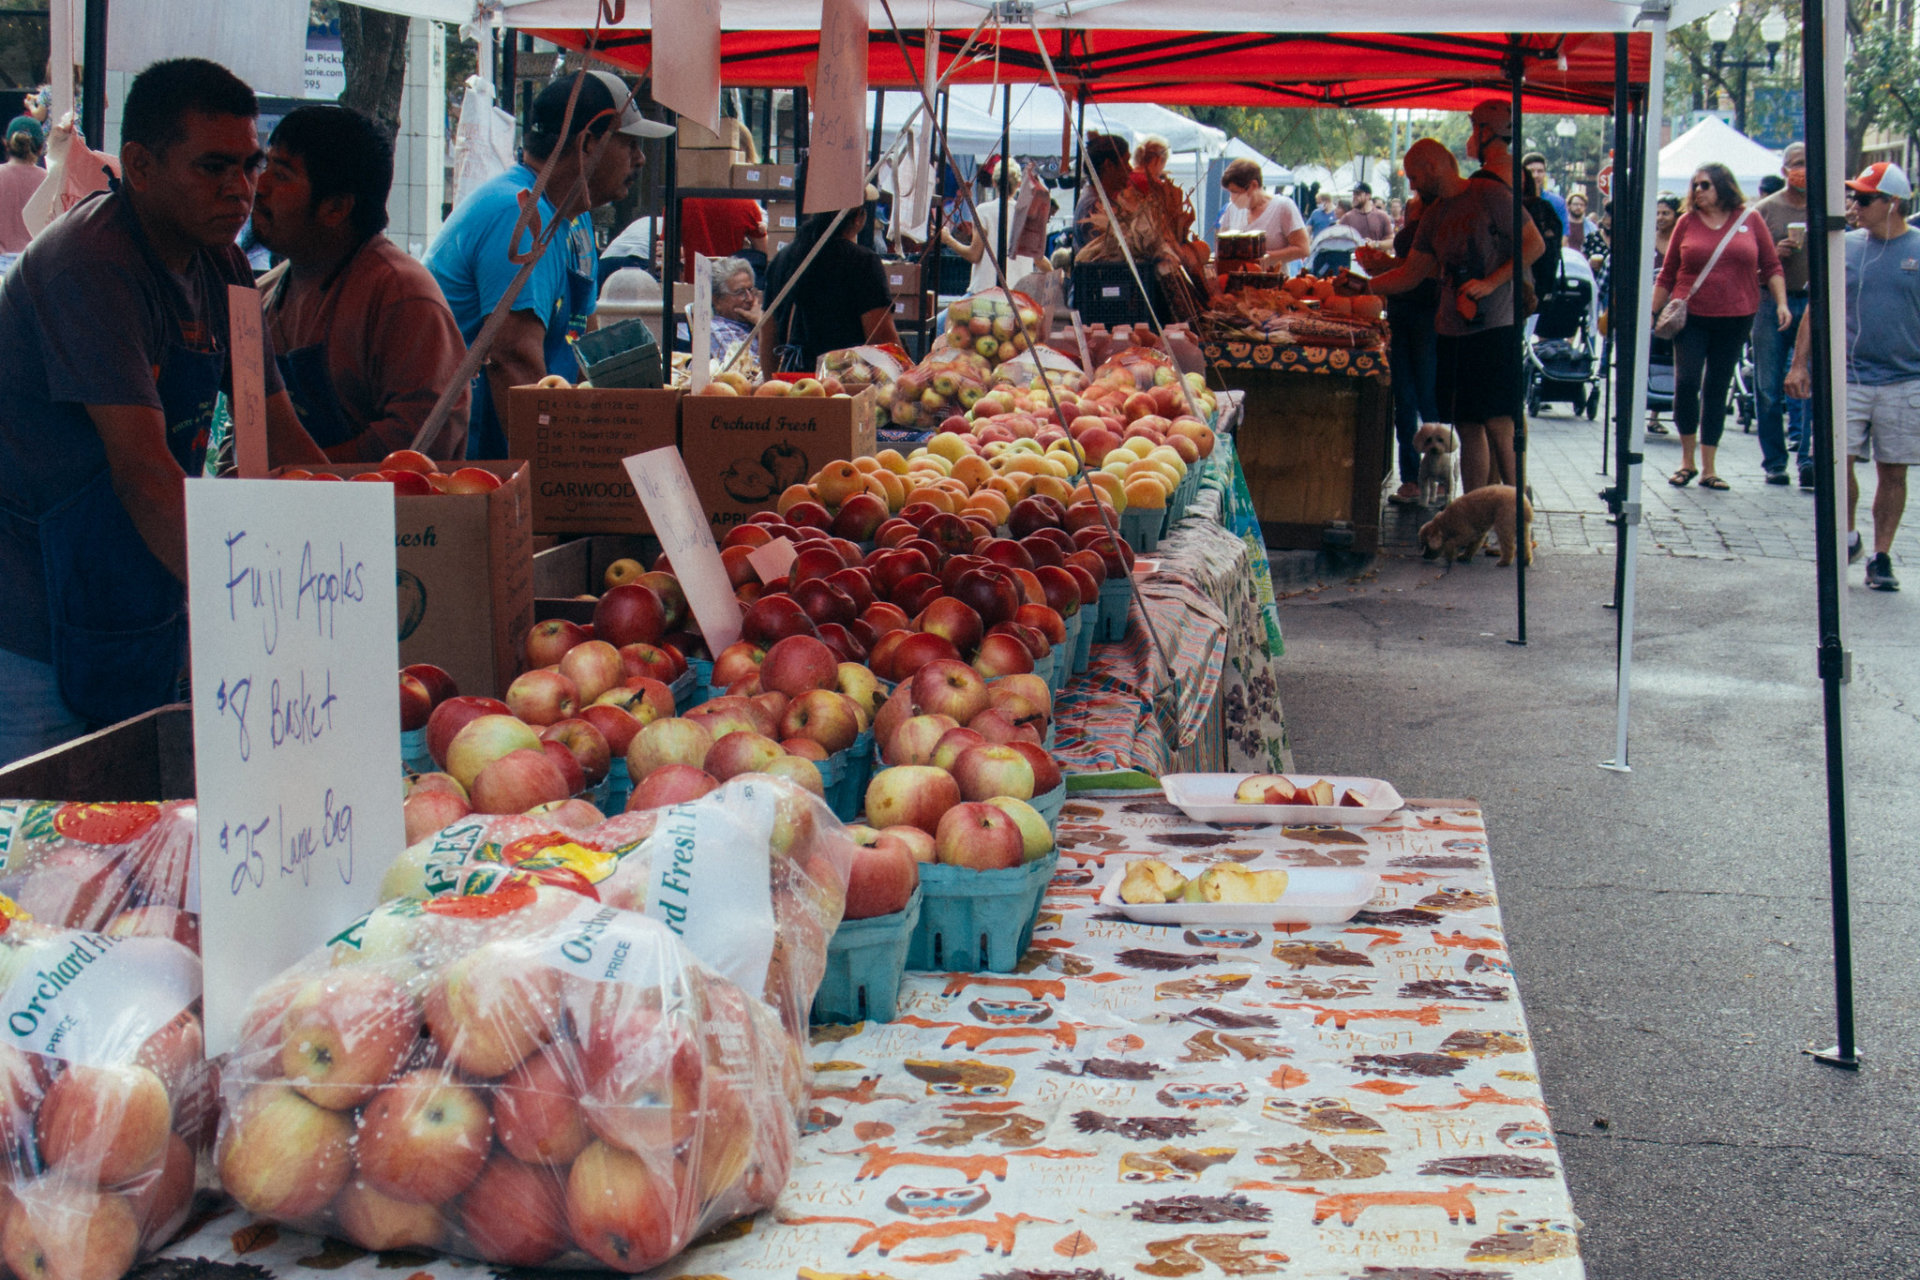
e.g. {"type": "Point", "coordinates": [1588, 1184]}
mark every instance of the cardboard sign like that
{"type": "Point", "coordinates": [296, 725]}
{"type": "Point", "coordinates": [700, 368]}
{"type": "Point", "coordinates": [837, 146]}
{"type": "Point", "coordinates": [773, 559]}
{"type": "Point", "coordinates": [680, 522]}
{"type": "Point", "coordinates": [689, 81]}
{"type": "Point", "coordinates": [249, 403]}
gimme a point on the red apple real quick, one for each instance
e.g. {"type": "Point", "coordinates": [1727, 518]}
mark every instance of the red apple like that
{"type": "Point", "coordinates": [515, 1214]}
{"type": "Point", "coordinates": [104, 1124]}
{"type": "Point", "coordinates": [70, 1233]}
{"type": "Point", "coordinates": [594, 666]}
{"type": "Point", "coordinates": [440, 685]}
{"type": "Point", "coordinates": [880, 654]}
{"type": "Point", "coordinates": [589, 746]}
{"type": "Point", "coordinates": [1062, 591]}
{"type": "Point", "coordinates": [1046, 771]}
{"type": "Point", "coordinates": [629, 614]}
{"type": "Point", "coordinates": [797, 664]}
{"type": "Point", "coordinates": [918, 843]}
{"type": "Point", "coordinates": [453, 715]}
{"type": "Point", "coordinates": [741, 752]}
{"type": "Point", "coordinates": [416, 703]}
{"type": "Point", "coordinates": [380, 1222]}
{"type": "Point", "coordinates": [991, 595]}
{"type": "Point", "coordinates": [642, 697]}
{"type": "Point", "coordinates": [1007, 552]}
{"type": "Point", "coordinates": [846, 648]}
{"type": "Point", "coordinates": [774, 617]}
{"type": "Point", "coordinates": [950, 688]}
{"type": "Point", "coordinates": [672, 784]}
{"type": "Point", "coordinates": [424, 1138]}
{"type": "Point", "coordinates": [881, 880]}
{"type": "Point", "coordinates": [282, 1157]}
{"type": "Point", "coordinates": [1046, 620]}
{"type": "Point", "coordinates": [673, 600]}
{"type": "Point", "coordinates": [490, 1009]}
{"type": "Point", "coordinates": [824, 716]}
{"type": "Point", "coordinates": [946, 616]}
{"type": "Point", "coordinates": [910, 795]}
{"type": "Point", "coordinates": [917, 650]}
{"type": "Point", "coordinates": [979, 836]}
{"type": "Point", "coordinates": [619, 1209]}
{"type": "Point", "coordinates": [345, 1034]}
{"type": "Point", "coordinates": [860, 516]}
{"type": "Point", "coordinates": [736, 662]}
{"type": "Point", "coordinates": [1002, 654]}
{"type": "Point", "coordinates": [914, 741]}
{"type": "Point", "coordinates": [647, 660]}
{"type": "Point", "coordinates": [543, 697]}
{"type": "Point", "coordinates": [615, 726]}
{"type": "Point", "coordinates": [573, 813]}
{"type": "Point", "coordinates": [805, 748]}
{"type": "Point", "coordinates": [946, 752]}
{"type": "Point", "coordinates": [536, 1109]}
{"type": "Point", "coordinates": [996, 726]}
{"type": "Point", "coordinates": [804, 774]}
{"type": "Point", "coordinates": [988, 770]}
{"type": "Point", "coordinates": [547, 642]}
{"type": "Point", "coordinates": [484, 740]}
{"type": "Point", "coordinates": [521, 779]}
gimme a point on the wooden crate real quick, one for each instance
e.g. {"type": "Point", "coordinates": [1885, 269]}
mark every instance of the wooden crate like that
{"type": "Point", "coordinates": [1315, 449]}
{"type": "Point", "coordinates": [149, 757]}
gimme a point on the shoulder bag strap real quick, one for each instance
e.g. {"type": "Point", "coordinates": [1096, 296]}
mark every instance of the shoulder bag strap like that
{"type": "Point", "coordinates": [1718, 249]}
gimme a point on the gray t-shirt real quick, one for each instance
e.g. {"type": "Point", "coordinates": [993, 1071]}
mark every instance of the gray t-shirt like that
{"type": "Point", "coordinates": [1470, 235]}
{"type": "Point", "coordinates": [1776, 211]}
{"type": "Point", "coordinates": [87, 317]}
{"type": "Point", "coordinates": [1883, 289]}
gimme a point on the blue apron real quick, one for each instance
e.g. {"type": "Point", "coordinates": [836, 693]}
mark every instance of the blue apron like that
{"type": "Point", "coordinates": [119, 618]}
{"type": "Point", "coordinates": [487, 433]}
{"type": "Point", "coordinates": [305, 372]}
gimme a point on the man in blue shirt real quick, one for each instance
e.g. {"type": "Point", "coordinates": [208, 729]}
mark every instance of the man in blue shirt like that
{"type": "Point", "coordinates": [1536, 164]}
{"type": "Point", "coordinates": [1323, 215]}
{"type": "Point", "coordinates": [594, 165]}
{"type": "Point", "coordinates": [1883, 358]}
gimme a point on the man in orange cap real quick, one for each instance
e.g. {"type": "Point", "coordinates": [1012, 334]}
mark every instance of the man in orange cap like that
{"type": "Point", "coordinates": [1883, 358]}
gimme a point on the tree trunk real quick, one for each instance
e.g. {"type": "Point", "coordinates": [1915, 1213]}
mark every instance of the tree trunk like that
{"type": "Point", "coordinates": [373, 47]}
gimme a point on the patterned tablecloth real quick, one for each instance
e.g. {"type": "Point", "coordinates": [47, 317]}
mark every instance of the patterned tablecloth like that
{"type": "Point", "coordinates": [1211, 599]}
{"type": "Point", "coordinates": [1349, 1102]}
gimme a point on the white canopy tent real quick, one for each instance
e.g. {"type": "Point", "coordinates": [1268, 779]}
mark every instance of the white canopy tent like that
{"type": "Point", "coordinates": [1714, 141]}
{"type": "Point", "coordinates": [1273, 174]}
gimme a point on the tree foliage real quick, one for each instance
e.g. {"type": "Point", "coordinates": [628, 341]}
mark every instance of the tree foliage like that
{"type": "Point", "coordinates": [1297, 136]}
{"type": "Point", "coordinates": [1883, 80]}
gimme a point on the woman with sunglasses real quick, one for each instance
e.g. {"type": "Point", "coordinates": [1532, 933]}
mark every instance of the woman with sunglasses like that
{"type": "Point", "coordinates": [1722, 296]}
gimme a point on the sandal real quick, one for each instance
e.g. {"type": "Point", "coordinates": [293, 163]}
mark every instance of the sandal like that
{"type": "Point", "coordinates": [1715, 483]}
{"type": "Point", "coordinates": [1683, 477]}
{"type": "Point", "coordinates": [1657, 428]}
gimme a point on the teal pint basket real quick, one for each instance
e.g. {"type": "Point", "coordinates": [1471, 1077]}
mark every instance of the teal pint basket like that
{"type": "Point", "coordinates": [977, 921]}
{"type": "Point", "coordinates": [1048, 805]}
{"type": "Point", "coordinates": [865, 961]}
{"type": "Point", "coordinates": [849, 797]}
{"type": "Point", "coordinates": [1116, 595]}
{"type": "Point", "coordinates": [1089, 620]}
{"type": "Point", "coordinates": [414, 756]}
{"type": "Point", "coordinates": [684, 689]}
{"type": "Point", "coordinates": [1142, 527]}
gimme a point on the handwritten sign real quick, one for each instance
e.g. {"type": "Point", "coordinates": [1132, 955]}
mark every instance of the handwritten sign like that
{"type": "Point", "coordinates": [680, 522]}
{"type": "Point", "coordinates": [837, 146]}
{"type": "Point", "coordinates": [700, 368]}
{"type": "Point", "coordinates": [249, 381]}
{"type": "Point", "coordinates": [296, 723]}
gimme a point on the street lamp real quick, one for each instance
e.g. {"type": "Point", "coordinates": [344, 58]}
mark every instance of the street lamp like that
{"type": "Point", "coordinates": [1721, 28]}
{"type": "Point", "coordinates": [1567, 128]}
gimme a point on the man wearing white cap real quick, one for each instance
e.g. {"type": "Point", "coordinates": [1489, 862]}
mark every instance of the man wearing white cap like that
{"type": "Point", "coordinates": [598, 152]}
{"type": "Point", "coordinates": [1883, 358]}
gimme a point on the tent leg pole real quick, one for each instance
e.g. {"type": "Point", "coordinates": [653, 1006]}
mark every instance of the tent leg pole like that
{"type": "Point", "coordinates": [1823, 42]}
{"type": "Point", "coordinates": [1522, 525]}
{"type": "Point", "coordinates": [1635, 337]}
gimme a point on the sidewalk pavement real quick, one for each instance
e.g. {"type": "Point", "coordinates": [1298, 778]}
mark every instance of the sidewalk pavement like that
{"type": "Point", "coordinates": [1670, 926]}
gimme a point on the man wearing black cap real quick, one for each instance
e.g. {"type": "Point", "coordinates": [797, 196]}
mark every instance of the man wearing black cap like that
{"type": "Point", "coordinates": [594, 157]}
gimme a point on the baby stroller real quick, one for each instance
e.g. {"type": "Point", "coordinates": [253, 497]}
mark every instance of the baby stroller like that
{"type": "Point", "coordinates": [1562, 354]}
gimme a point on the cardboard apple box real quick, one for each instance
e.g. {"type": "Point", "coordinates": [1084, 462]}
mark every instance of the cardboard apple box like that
{"type": "Point", "coordinates": [465, 565]}
{"type": "Point", "coordinates": [574, 438]}
{"type": "Point", "coordinates": [742, 451]}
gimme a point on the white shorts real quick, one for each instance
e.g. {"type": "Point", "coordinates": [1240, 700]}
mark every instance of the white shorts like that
{"type": "Point", "coordinates": [1883, 423]}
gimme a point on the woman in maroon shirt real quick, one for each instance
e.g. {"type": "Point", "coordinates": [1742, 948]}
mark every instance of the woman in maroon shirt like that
{"type": "Point", "coordinates": [1720, 310]}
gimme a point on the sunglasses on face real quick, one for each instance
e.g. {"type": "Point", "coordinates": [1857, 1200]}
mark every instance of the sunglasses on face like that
{"type": "Point", "coordinates": [1866, 199]}
{"type": "Point", "coordinates": [1703, 186]}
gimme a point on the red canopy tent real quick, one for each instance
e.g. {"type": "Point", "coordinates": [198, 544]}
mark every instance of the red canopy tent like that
{"type": "Point", "coordinates": [1562, 73]}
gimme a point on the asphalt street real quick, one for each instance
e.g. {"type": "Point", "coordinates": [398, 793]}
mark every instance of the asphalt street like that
{"type": "Point", "coordinates": [1671, 927]}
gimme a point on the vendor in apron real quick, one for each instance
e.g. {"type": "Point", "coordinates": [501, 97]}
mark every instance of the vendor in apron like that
{"type": "Point", "coordinates": [594, 153]}
{"type": "Point", "coordinates": [116, 322]}
{"type": "Point", "coordinates": [366, 342]}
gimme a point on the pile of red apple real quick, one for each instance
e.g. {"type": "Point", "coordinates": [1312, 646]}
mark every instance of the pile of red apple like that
{"type": "Point", "coordinates": [412, 473]}
{"type": "Point", "coordinates": [504, 1092]}
{"type": "Point", "coordinates": [789, 708]}
{"type": "Point", "coordinates": [101, 1152]}
{"type": "Point", "coordinates": [936, 585]}
{"type": "Point", "coordinates": [965, 763]}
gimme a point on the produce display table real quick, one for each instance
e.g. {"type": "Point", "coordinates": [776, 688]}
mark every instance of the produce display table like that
{"type": "Point", "coordinates": [1348, 1101]}
{"type": "Point", "coordinates": [1314, 439]}
{"type": "Point", "coordinates": [1210, 594]}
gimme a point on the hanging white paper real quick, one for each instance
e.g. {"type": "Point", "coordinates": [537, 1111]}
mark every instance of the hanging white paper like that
{"type": "Point", "coordinates": [689, 80]}
{"type": "Point", "coordinates": [680, 522]}
{"type": "Point", "coordinates": [837, 145]}
{"type": "Point", "coordinates": [296, 723]}
{"type": "Point", "coordinates": [700, 367]}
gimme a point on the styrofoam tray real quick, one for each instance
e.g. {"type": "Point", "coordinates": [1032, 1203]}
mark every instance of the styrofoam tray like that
{"type": "Point", "coordinates": [1315, 895]}
{"type": "Point", "coordinates": [1208, 797]}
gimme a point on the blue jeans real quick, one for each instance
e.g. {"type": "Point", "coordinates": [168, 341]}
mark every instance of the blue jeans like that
{"type": "Point", "coordinates": [32, 716]}
{"type": "Point", "coordinates": [1411, 363]}
{"type": "Point", "coordinates": [1772, 353]}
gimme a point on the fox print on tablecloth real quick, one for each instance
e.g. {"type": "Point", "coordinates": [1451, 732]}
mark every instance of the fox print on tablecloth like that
{"type": "Point", "coordinates": [1304, 1162]}
{"type": "Point", "coordinates": [1453, 1201]}
{"type": "Point", "coordinates": [878, 1159]}
{"type": "Point", "coordinates": [932, 1213]}
{"type": "Point", "coordinates": [1171, 1164]}
{"type": "Point", "coordinates": [1189, 1255]}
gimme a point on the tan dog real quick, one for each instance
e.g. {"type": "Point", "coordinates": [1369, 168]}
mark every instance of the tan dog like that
{"type": "Point", "coordinates": [1435, 444]}
{"type": "Point", "coordinates": [1460, 530]}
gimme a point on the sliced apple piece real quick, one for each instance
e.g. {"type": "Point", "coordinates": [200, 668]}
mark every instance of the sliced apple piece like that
{"type": "Point", "coordinates": [1264, 788]}
{"type": "Point", "coordinates": [1353, 800]}
{"type": "Point", "coordinates": [1321, 791]}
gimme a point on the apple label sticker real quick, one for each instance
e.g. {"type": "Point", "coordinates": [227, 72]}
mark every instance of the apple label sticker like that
{"type": "Point", "coordinates": [710, 883]}
{"type": "Point", "coordinates": [773, 559]}
{"type": "Point", "coordinates": [90, 999]}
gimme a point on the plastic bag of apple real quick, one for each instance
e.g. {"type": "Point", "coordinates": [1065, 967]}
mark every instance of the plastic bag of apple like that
{"type": "Point", "coordinates": [991, 326]}
{"type": "Point", "coordinates": [1022, 373]}
{"type": "Point", "coordinates": [524, 1076]}
{"type": "Point", "coordinates": [948, 382]}
{"type": "Point", "coordinates": [122, 869]}
{"type": "Point", "coordinates": [857, 368]}
{"type": "Point", "coordinates": [109, 1099]}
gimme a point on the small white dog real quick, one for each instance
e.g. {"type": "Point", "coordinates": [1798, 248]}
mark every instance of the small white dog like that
{"type": "Point", "coordinates": [1435, 444]}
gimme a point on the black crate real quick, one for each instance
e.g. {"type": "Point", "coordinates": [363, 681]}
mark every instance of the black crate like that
{"type": "Point", "coordinates": [1105, 293]}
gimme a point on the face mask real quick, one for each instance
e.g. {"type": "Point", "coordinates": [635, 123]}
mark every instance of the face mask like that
{"type": "Point", "coordinates": [1797, 179]}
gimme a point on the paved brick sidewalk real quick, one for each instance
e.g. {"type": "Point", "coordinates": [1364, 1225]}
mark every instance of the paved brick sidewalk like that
{"type": "Point", "coordinates": [1753, 520]}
